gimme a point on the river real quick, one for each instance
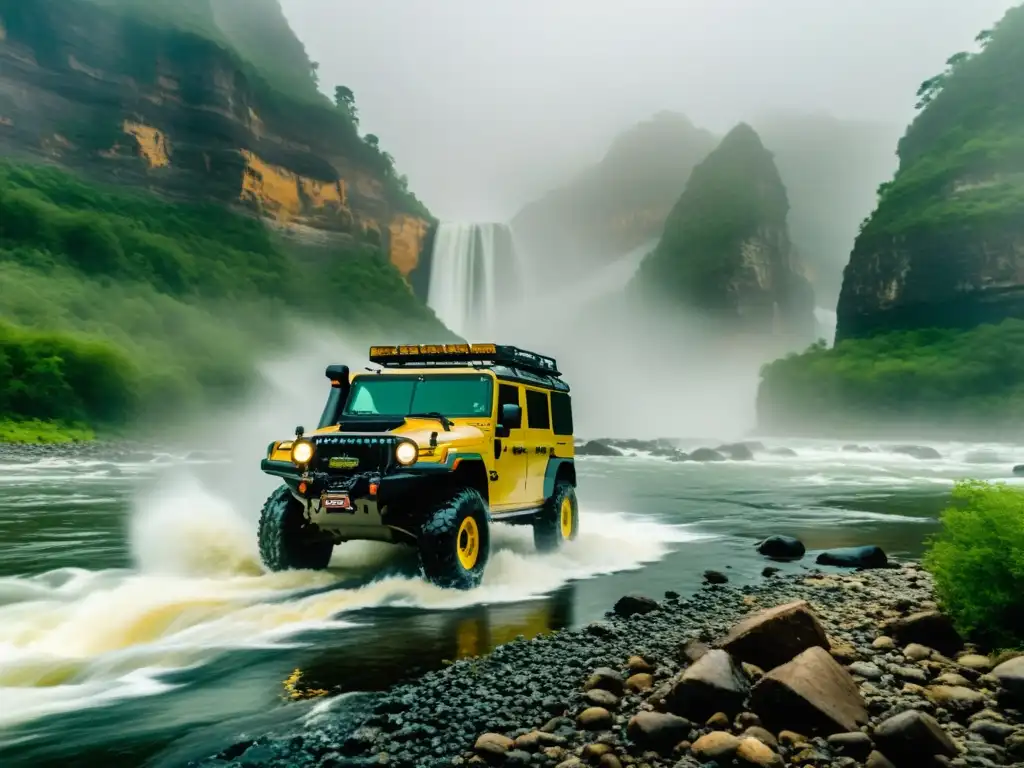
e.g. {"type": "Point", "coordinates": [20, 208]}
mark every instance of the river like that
{"type": "Point", "coordinates": [134, 612]}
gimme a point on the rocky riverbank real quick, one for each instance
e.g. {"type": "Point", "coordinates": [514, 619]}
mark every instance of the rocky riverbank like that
{"type": "Point", "coordinates": [92, 450]}
{"type": "Point", "coordinates": [822, 669]}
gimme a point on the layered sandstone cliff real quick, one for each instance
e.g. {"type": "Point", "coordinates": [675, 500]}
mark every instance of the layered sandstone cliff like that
{"type": "Point", "coordinates": [164, 106]}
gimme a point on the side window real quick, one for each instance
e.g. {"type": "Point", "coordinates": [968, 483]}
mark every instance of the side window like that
{"type": "Point", "coordinates": [561, 413]}
{"type": "Point", "coordinates": [537, 415]}
{"type": "Point", "coordinates": [508, 394]}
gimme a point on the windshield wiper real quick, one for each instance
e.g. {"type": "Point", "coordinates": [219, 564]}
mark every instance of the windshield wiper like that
{"type": "Point", "coordinates": [434, 415]}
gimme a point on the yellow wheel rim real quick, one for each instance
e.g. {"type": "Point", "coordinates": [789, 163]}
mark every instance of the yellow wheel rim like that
{"type": "Point", "coordinates": [468, 543]}
{"type": "Point", "coordinates": [566, 518]}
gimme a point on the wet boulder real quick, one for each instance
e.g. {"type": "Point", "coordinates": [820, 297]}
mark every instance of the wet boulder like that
{"type": "Point", "coordinates": [856, 449]}
{"type": "Point", "coordinates": [921, 452]}
{"type": "Point", "coordinates": [1019, 470]}
{"type": "Point", "coordinates": [635, 605]}
{"type": "Point", "coordinates": [1010, 675]}
{"type": "Point", "coordinates": [782, 451]}
{"type": "Point", "coordinates": [706, 455]}
{"type": "Point", "coordinates": [717, 746]}
{"type": "Point", "coordinates": [715, 683]}
{"type": "Point", "coordinates": [929, 628]}
{"type": "Point", "coordinates": [493, 746]}
{"type": "Point", "coordinates": [606, 679]}
{"type": "Point", "coordinates": [715, 577]}
{"type": "Point", "coordinates": [911, 737]}
{"type": "Point", "coordinates": [774, 636]}
{"type": "Point", "coordinates": [597, 448]}
{"type": "Point", "coordinates": [781, 548]}
{"type": "Point", "coordinates": [657, 730]}
{"type": "Point", "coordinates": [811, 694]}
{"type": "Point", "coordinates": [854, 557]}
{"type": "Point", "coordinates": [736, 451]}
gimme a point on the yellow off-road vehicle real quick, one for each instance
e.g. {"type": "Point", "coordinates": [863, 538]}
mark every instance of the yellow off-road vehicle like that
{"type": "Point", "coordinates": [429, 449]}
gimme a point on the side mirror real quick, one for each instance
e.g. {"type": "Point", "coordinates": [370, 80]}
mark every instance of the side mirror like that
{"type": "Point", "coordinates": [511, 418]}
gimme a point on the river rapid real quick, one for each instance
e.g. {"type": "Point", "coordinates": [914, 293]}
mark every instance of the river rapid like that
{"type": "Point", "coordinates": [137, 625]}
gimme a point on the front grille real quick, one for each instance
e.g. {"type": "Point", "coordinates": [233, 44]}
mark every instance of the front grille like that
{"type": "Point", "coordinates": [355, 454]}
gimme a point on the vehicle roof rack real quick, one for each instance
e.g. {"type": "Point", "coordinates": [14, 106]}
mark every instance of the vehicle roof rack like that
{"type": "Point", "coordinates": [447, 355]}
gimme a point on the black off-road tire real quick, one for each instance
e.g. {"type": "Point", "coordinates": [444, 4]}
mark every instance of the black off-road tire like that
{"type": "Point", "coordinates": [547, 528]}
{"type": "Point", "coordinates": [439, 539]}
{"type": "Point", "coordinates": [288, 542]}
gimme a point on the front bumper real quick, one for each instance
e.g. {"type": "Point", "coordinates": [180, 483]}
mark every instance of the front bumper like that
{"type": "Point", "coordinates": [390, 487]}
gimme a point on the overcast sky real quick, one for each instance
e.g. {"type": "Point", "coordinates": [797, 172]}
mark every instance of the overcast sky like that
{"type": "Point", "coordinates": [486, 103]}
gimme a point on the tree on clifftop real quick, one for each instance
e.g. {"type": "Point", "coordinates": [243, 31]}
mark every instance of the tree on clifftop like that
{"type": "Point", "coordinates": [346, 100]}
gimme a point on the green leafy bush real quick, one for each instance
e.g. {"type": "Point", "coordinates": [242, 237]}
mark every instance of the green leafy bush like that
{"type": "Point", "coordinates": [978, 562]}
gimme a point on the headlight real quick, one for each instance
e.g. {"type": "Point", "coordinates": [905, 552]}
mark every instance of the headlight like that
{"type": "Point", "coordinates": [406, 453]}
{"type": "Point", "coordinates": [302, 451]}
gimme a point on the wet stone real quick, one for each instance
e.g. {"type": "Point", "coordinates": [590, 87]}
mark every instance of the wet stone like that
{"type": "Point", "coordinates": [599, 697]}
{"type": "Point", "coordinates": [717, 745]}
{"type": "Point", "coordinates": [775, 636]}
{"type": "Point", "coordinates": [714, 684]}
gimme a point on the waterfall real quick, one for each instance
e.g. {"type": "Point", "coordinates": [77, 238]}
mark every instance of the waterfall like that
{"type": "Point", "coordinates": [474, 273]}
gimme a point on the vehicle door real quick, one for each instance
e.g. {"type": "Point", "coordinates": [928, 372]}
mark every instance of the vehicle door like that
{"type": "Point", "coordinates": [508, 483]}
{"type": "Point", "coordinates": [539, 442]}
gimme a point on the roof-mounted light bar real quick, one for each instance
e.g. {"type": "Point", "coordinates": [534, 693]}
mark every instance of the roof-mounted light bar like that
{"type": "Point", "coordinates": [461, 354]}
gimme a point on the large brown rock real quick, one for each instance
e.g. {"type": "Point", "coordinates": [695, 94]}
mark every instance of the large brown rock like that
{"type": "Point", "coordinates": [928, 628]}
{"type": "Point", "coordinates": [812, 693]}
{"type": "Point", "coordinates": [657, 730]}
{"type": "Point", "coordinates": [1010, 675]}
{"type": "Point", "coordinates": [911, 738]}
{"type": "Point", "coordinates": [714, 684]}
{"type": "Point", "coordinates": [775, 636]}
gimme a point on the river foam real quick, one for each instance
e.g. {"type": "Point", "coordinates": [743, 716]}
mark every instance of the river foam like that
{"type": "Point", "coordinates": [77, 638]}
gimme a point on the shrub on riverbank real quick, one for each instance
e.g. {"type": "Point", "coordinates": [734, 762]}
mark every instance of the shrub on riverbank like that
{"type": "Point", "coordinates": [978, 562]}
{"type": "Point", "coordinates": [945, 380]}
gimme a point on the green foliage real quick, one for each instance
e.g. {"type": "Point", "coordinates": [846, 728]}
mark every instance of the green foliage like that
{"type": "Point", "coordinates": [960, 380]}
{"type": "Point", "coordinates": [34, 431]}
{"type": "Point", "coordinates": [58, 377]}
{"type": "Point", "coordinates": [962, 158]}
{"type": "Point", "coordinates": [978, 562]}
{"type": "Point", "coordinates": [147, 309]}
{"type": "Point", "coordinates": [730, 196]}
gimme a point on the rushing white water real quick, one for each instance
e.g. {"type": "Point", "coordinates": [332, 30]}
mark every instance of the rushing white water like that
{"type": "Point", "coordinates": [474, 271]}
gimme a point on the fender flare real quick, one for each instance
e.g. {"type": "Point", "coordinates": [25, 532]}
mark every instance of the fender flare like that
{"type": "Point", "coordinates": [554, 465]}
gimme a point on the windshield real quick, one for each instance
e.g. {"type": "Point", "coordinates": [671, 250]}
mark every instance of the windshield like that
{"type": "Point", "coordinates": [451, 396]}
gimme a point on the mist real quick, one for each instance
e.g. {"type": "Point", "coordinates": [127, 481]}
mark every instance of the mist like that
{"type": "Point", "coordinates": [488, 105]}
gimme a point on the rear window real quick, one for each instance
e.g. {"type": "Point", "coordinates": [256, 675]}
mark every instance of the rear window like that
{"type": "Point", "coordinates": [561, 413]}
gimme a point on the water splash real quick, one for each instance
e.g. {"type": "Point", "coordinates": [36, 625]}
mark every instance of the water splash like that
{"type": "Point", "coordinates": [76, 638]}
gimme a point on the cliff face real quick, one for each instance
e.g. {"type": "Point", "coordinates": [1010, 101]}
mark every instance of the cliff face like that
{"type": "Point", "coordinates": [726, 250]}
{"type": "Point", "coordinates": [167, 107]}
{"type": "Point", "coordinates": [831, 169]}
{"type": "Point", "coordinates": [619, 204]}
{"type": "Point", "coordinates": [945, 245]}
